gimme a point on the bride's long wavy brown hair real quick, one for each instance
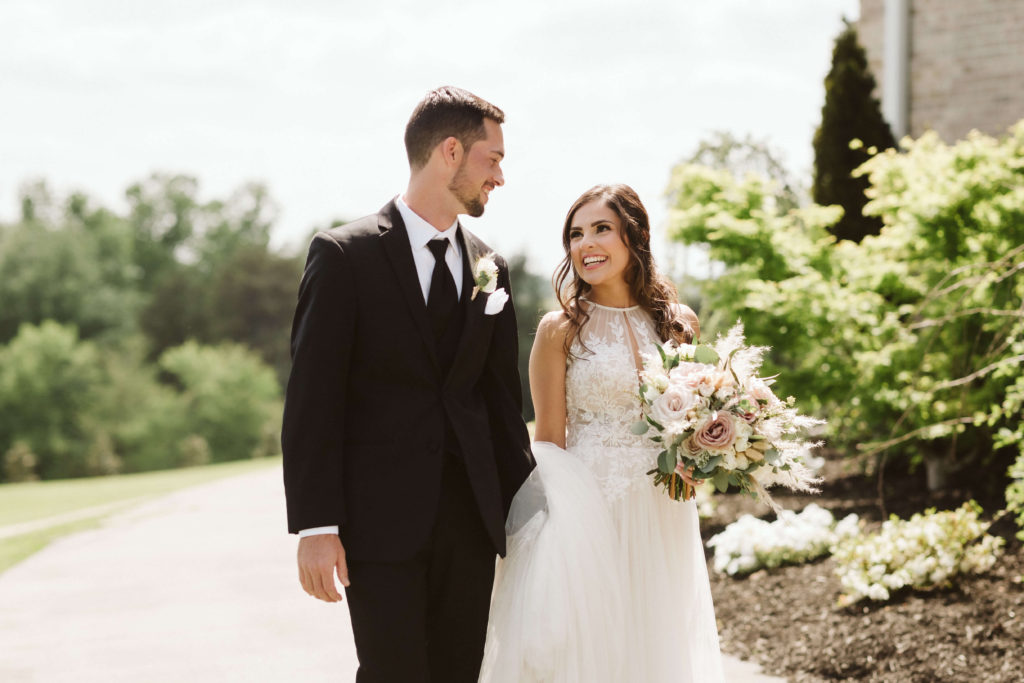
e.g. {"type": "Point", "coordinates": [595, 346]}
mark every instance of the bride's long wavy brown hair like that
{"type": "Point", "coordinates": [652, 290]}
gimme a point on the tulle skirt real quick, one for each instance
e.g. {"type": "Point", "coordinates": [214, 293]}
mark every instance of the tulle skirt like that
{"type": "Point", "coordinates": [594, 590]}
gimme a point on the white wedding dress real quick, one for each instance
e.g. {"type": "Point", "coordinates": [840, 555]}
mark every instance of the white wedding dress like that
{"type": "Point", "coordinates": [605, 579]}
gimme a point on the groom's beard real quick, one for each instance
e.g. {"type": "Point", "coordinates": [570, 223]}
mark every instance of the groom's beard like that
{"type": "Point", "coordinates": [467, 195]}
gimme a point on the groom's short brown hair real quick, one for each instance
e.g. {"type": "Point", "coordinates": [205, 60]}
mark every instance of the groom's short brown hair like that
{"type": "Point", "coordinates": [447, 112]}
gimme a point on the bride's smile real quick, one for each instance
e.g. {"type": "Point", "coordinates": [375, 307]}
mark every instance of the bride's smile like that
{"type": "Point", "coordinates": [599, 252]}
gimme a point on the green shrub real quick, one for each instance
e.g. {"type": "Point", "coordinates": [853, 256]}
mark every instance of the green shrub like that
{"type": "Point", "coordinates": [20, 463]}
{"type": "Point", "coordinates": [231, 397]}
{"type": "Point", "coordinates": [49, 384]}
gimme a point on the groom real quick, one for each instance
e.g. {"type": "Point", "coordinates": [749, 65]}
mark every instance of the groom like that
{"type": "Point", "coordinates": [403, 441]}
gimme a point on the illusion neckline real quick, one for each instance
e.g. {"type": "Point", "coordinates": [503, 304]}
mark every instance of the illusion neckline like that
{"type": "Point", "coordinates": [611, 308]}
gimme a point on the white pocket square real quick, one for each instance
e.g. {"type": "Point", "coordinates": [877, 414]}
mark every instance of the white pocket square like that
{"type": "Point", "coordinates": [496, 301]}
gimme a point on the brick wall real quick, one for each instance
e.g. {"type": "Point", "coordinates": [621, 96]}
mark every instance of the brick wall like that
{"type": "Point", "coordinates": [966, 63]}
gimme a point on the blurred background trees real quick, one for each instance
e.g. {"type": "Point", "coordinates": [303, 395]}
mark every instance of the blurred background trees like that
{"type": "Point", "coordinates": [153, 339]}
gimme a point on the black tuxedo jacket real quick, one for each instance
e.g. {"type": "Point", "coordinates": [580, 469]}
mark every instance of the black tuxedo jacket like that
{"type": "Point", "coordinates": [366, 404]}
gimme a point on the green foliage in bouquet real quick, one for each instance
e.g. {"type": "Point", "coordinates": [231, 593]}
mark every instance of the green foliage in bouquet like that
{"type": "Point", "coordinates": [715, 417]}
{"type": "Point", "coordinates": [910, 341]}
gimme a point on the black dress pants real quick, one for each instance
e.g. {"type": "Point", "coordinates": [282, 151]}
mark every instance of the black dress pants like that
{"type": "Point", "coordinates": [425, 619]}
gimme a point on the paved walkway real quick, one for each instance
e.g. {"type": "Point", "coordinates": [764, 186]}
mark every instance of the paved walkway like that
{"type": "Point", "coordinates": [197, 586]}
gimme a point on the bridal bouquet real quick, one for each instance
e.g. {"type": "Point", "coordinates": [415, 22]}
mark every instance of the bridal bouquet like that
{"type": "Point", "coordinates": [714, 415]}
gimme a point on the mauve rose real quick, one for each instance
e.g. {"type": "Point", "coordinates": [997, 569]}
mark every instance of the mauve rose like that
{"type": "Point", "coordinates": [673, 404]}
{"type": "Point", "coordinates": [717, 433]}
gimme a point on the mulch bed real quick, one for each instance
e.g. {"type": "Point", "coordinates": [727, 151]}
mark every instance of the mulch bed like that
{"type": "Point", "coordinates": [787, 619]}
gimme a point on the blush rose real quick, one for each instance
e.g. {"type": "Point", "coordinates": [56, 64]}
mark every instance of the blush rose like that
{"type": "Point", "coordinates": [717, 433]}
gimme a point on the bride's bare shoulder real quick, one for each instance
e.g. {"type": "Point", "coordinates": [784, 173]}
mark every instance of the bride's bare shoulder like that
{"type": "Point", "coordinates": [553, 329]}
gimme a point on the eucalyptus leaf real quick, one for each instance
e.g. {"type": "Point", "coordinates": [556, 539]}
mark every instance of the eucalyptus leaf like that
{"type": "Point", "coordinates": [640, 427]}
{"type": "Point", "coordinates": [711, 464]}
{"type": "Point", "coordinates": [721, 481]}
{"type": "Point", "coordinates": [706, 354]}
{"type": "Point", "coordinates": [666, 462]}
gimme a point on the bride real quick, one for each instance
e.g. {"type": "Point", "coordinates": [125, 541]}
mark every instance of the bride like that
{"type": "Point", "coordinates": [605, 578]}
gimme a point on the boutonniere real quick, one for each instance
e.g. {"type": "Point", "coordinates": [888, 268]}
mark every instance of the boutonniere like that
{"type": "Point", "coordinates": [485, 276]}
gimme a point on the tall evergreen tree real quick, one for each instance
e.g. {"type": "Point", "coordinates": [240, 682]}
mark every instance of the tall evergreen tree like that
{"type": "Point", "coordinates": [850, 112]}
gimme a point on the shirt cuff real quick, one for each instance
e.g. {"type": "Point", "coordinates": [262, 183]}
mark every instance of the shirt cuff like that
{"type": "Point", "coordinates": [316, 531]}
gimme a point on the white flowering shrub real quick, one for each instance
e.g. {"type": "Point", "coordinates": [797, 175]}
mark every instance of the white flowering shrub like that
{"type": "Point", "coordinates": [930, 549]}
{"type": "Point", "coordinates": [749, 543]}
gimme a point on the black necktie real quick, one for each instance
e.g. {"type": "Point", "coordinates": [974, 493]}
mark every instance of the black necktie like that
{"type": "Point", "coordinates": [442, 298]}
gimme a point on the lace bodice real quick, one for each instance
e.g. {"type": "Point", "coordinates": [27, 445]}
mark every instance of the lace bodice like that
{"type": "Point", "coordinates": [602, 397]}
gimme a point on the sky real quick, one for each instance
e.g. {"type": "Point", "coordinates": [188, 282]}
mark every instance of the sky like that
{"type": "Point", "coordinates": [311, 97]}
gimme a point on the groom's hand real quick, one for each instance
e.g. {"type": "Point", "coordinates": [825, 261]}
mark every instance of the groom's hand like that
{"type": "Point", "coordinates": [319, 557]}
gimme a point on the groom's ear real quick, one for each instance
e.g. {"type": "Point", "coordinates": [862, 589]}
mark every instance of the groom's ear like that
{"type": "Point", "coordinates": [451, 150]}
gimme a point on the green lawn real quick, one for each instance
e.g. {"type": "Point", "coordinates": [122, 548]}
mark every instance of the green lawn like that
{"type": "Point", "coordinates": [38, 500]}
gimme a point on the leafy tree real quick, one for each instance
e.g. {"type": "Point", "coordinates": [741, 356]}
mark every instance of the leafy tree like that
{"type": "Point", "coordinates": [748, 156]}
{"type": "Point", "coordinates": [163, 213]}
{"type": "Point", "coordinates": [910, 341]}
{"type": "Point", "coordinates": [850, 113]}
{"type": "Point", "coordinates": [251, 301]}
{"type": "Point", "coordinates": [215, 278]}
{"type": "Point", "coordinates": [242, 222]}
{"type": "Point", "coordinates": [67, 264]}
{"type": "Point", "coordinates": [741, 157]}
{"type": "Point", "coordinates": [178, 310]}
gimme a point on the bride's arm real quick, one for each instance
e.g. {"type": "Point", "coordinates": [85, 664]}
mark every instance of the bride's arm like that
{"type": "Point", "coordinates": [547, 378]}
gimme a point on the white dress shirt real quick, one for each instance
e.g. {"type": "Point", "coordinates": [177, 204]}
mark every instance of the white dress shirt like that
{"type": "Point", "coordinates": [420, 232]}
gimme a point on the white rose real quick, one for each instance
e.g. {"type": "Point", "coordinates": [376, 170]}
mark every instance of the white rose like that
{"type": "Point", "coordinates": [673, 405]}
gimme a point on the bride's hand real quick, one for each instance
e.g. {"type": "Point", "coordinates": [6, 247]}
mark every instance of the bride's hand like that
{"type": "Point", "coordinates": [687, 474]}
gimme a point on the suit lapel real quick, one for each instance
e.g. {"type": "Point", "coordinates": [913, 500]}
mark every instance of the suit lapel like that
{"type": "Point", "coordinates": [396, 245]}
{"type": "Point", "coordinates": [469, 256]}
{"type": "Point", "coordinates": [473, 309]}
